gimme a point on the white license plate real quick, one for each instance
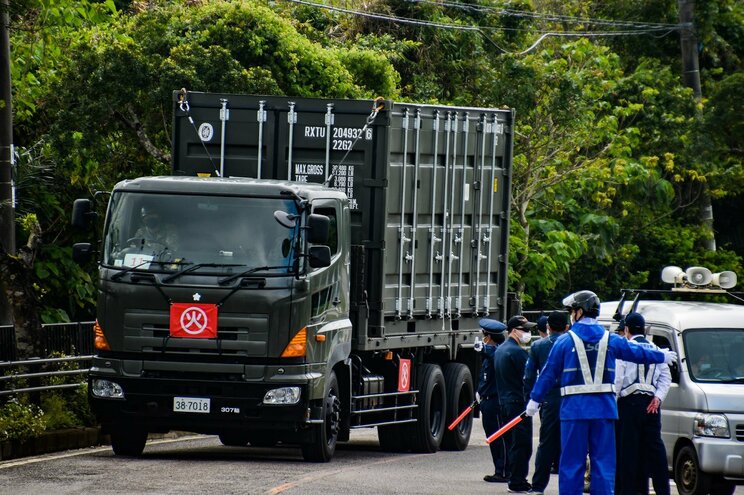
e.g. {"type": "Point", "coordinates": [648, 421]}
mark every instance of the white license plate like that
{"type": "Point", "coordinates": [191, 404]}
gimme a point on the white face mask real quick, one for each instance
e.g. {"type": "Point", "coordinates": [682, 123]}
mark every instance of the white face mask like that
{"type": "Point", "coordinates": [525, 337]}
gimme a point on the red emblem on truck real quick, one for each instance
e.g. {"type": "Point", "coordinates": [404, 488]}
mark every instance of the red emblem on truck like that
{"type": "Point", "coordinates": [404, 375]}
{"type": "Point", "coordinates": [193, 320]}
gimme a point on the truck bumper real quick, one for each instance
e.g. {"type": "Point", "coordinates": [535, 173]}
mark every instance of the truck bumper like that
{"type": "Point", "coordinates": [234, 404]}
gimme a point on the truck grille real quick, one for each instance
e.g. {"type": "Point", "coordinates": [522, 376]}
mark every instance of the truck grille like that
{"type": "Point", "coordinates": [740, 433]}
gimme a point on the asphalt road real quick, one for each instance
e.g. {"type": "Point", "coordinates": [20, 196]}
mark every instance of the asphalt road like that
{"type": "Point", "coordinates": [201, 465]}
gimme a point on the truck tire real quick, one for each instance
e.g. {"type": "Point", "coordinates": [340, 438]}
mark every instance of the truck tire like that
{"type": "Point", "coordinates": [459, 387]}
{"type": "Point", "coordinates": [323, 445]}
{"type": "Point", "coordinates": [128, 442]}
{"type": "Point", "coordinates": [689, 478]}
{"type": "Point", "coordinates": [428, 430]}
{"type": "Point", "coordinates": [234, 439]}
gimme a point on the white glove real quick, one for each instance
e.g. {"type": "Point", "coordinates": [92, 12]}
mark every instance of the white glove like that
{"type": "Point", "coordinates": [477, 396]}
{"type": "Point", "coordinates": [669, 356]}
{"type": "Point", "coordinates": [478, 345]}
{"type": "Point", "coordinates": [532, 408]}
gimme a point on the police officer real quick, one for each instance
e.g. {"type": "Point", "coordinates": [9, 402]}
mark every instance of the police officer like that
{"type": "Point", "coordinates": [584, 361]}
{"type": "Point", "coordinates": [494, 334]}
{"type": "Point", "coordinates": [509, 361]}
{"type": "Point", "coordinates": [640, 390]}
{"type": "Point", "coordinates": [549, 448]}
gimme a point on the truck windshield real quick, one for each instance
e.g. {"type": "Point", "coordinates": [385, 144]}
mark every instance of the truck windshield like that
{"type": "Point", "coordinates": [167, 232]}
{"type": "Point", "coordinates": [715, 354]}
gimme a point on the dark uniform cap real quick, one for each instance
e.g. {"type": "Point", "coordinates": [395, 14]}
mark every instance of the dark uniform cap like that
{"type": "Point", "coordinates": [491, 326]}
{"type": "Point", "coordinates": [635, 320]}
{"type": "Point", "coordinates": [558, 320]}
{"type": "Point", "coordinates": [542, 323]}
{"type": "Point", "coordinates": [519, 321]}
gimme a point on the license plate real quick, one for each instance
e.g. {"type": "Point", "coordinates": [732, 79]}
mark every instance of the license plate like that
{"type": "Point", "coordinates": [191, 404]}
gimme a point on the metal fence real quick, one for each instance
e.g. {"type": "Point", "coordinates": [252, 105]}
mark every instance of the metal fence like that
{"type": "Point", "coordinates": [72, 341]}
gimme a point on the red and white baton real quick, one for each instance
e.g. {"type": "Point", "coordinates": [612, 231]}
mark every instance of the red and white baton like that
{"type": "Point", "coordinates": [462, 415]}
{"type": "Point", "coordinates": [508, 426]}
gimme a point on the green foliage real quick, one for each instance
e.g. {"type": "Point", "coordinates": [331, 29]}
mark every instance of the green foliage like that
{"type": "Point", "coordinates": [20, 421]}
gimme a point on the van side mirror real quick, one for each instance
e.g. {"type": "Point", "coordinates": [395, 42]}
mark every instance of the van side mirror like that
{"type": "Point", "coordinates": [82, 252]}
{"type": "Point", "coordinates": [319, 256]}
{"type": "Point", "coordinates": [318, 228]}
{"type": "Point", "coordinates": [82, 213]}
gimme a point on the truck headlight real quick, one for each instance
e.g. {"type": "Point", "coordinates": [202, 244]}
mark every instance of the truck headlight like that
{"type": "Point", "coordinates": [107, 389]}
{"type": "Point", "coordinates": [284, 395]}
{"type": "Point", "coordinates": [711, 425]}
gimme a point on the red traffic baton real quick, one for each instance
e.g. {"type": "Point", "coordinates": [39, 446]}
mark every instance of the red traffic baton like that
{"type": "Point", "coordinates": [508, 426]}
{"type": "Point", "coordinates": [462, 415]}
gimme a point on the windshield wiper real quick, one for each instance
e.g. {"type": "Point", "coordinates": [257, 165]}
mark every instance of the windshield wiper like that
{"type": "Point", "coordinates": [229, 279]}
{"type": "Point", "coordinates": [118, 275]}
{"type": "Point", "coordinates": [192, 268]}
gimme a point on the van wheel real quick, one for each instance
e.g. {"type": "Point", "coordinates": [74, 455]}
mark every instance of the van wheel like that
{"type": "Point", "coordinates": [323, 445]}
{"type": "Point", "coordinates": [428, 430]}
{"type": "Point", "coordinates": [689, 478]}
{"type": "Point", "coordinates": [128, 442]}
{"type": "Point", "coordinates": [459, 386]}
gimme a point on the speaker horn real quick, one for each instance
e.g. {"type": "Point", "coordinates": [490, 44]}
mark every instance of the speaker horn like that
{"type": "Point", "coordinates": [672, 275]}
{"type": "Point", "coordinates": [699, 275]}
{"type": "Point", "coordinates": [724, 280]}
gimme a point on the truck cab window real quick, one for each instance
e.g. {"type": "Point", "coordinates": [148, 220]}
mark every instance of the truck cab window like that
{"type": "Point", "coordinates": [332, 230]}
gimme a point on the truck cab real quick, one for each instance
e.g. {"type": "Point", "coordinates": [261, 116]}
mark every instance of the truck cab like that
{"type": "Point", "coordinates": [702, 417]}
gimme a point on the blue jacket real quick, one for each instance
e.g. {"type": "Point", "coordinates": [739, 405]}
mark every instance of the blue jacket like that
{"type": "Point", "coordinates": [509, 362]}
{"type": "Point", "coordinates": [539, 352]}
{"type": "Point", "coordinates": [563, 365]}
{"type": "Point", "coordinates": [487, 383]}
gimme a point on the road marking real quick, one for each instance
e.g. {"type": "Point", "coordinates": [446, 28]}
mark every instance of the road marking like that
{"type": "Point", "coordinates": [54, 457]}
{"type": "Point", "coordinates": [322, 474]}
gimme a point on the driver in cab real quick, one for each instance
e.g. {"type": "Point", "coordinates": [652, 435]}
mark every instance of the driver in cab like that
{"type": "Point", "coordinates": [154, 232]}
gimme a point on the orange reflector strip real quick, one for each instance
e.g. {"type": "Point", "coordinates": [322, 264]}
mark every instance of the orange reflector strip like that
{"type": "Point", "coordinates": [296, 346]}
{"type": "Point", "coordinates": [320, 338]}
{"type": "Point", "coordinates": [100, 341]}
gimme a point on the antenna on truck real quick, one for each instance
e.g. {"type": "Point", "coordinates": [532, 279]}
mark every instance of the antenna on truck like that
{"type": "Point", "coordinates": [378, 104]}
{"type": "Point", "coordinates": [183, 104]}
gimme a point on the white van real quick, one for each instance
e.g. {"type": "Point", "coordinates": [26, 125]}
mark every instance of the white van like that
{"type": "Point", "coordinates": [702, 418]}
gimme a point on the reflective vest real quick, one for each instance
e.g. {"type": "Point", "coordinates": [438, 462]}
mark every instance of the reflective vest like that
{"type": "Point", "coordinates": [643, 381]}
{"type": "Point", "coordinates": [591, 385]}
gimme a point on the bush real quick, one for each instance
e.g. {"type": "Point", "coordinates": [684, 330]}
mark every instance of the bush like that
{"type": "Point", "coordinates": [19, 421]}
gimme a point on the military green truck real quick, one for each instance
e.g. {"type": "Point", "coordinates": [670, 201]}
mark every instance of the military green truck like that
{"type": "Point", "coordinates": [311, 266]}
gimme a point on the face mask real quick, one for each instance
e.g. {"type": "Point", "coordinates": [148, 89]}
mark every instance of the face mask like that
{"type": "Point", "coordinates": [525, 337]}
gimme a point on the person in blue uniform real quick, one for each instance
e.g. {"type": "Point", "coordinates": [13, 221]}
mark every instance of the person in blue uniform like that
{"type": "Point", "coordinates": [641, 390]}
{"type": "Point", "coordinates": [549, 447]}
{"type": "Point", "coordinates": [509, 361]}
{"type": "Point", "coordinates": [584, 362]}
{"type": "Point", "coordinates": [494, 334]}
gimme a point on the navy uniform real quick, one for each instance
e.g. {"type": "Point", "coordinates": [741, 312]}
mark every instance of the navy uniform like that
{"type": "Point", "coordinates": [584, 362]}
{"type": "Point", "coordinates": [489, 399]}
{"type": "Point", "coordinates": [640, 390]}
{"type": "Point", "coordinates": [549, 448]}
{"type": "Point", "coordinates": [510, 360]}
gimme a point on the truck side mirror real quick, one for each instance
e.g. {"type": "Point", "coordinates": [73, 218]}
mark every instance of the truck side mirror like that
{"type": "Point", "coordinates": [318, 227]}
{"type": "Point", "coordinates": [82, 252]}
{"type": "Point", "coordinates": [674, 371]}
{"type": "Point", "coordinates": [319, 256]}
{"type": "Point", "coordinates": [82, 212]}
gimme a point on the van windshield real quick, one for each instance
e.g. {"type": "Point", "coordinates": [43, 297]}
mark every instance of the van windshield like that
{"type": "Point", "coordinates": [165, 232]}
{"type": "Point", "coordinates": [715, 354]}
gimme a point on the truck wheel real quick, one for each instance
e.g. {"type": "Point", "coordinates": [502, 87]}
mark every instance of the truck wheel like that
{"type": "Point", "coordinates": [428, 430]}
{"type": "Point", "coordinates": [129, 442]}
{"type": "Point", "coordinates": [687, 475]}
{"type": "Point", "coordinates": [459, 386]}
{"type": "Point", "coordinates": [234, 439]}
{"type": "Point", "coordinates": [323, 445]}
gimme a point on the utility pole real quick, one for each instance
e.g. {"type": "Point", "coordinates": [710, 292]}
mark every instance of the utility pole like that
{"type": "Point", "coordinates": [7, 199]}
{"type": "Point", "coordinates": [691, 79]}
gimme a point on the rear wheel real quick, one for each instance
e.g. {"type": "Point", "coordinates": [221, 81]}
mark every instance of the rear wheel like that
{"type": "Point", "coordinates": [459, 387]}
{"type": "Point", "coordinates": [428, 431]}
{"type": "Point", "coordinates": [323, 445]}
{"type": "Point", "coordinates": [689, 478]}
{"type": "Point", "coordinates": [128, 441]}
